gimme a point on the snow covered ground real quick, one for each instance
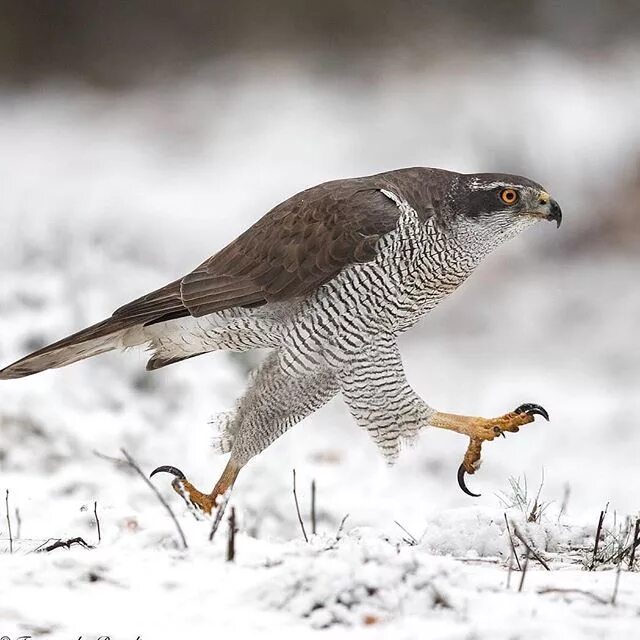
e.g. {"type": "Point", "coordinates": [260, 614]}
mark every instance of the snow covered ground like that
{"type": "Point", "coordinates": [105, 197]}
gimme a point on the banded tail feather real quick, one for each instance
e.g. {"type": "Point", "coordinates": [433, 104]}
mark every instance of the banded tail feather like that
{"type": "Point", "coordinates": [112, 333]}
{"type": "Point", "coordinates": [125, 328]}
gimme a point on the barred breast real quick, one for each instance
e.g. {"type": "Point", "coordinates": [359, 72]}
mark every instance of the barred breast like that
{"type": "Point", "coordinates": [417, 266]}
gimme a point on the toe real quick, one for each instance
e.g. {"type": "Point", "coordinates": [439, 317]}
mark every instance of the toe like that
{"type": "Point", "coordinates": [532, 409]}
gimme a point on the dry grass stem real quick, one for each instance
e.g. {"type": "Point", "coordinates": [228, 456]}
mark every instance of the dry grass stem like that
{"type": "Point", "coordinates": [295, 498]}
{"type": "Point", "coordinates": [341, 527]}
{"type": "Point", "coordinates": [6, 501]}
{"type": "Point", "coordinates": [513, 547]}
{"type": "Point", "coordinates": [509, 569]}
{"type": "Point", "coordinates": [530, 550]}
{"type": "Point", "coordinates": [65, 544]}
{"type": "Point", "coordinates": [313, 507]}
{"type": "Point", "coordinates": [224, 500]}
{"type": "Point", "coordinates": [134, 465]}
{"type": "Point", "coordinates": [231, 541]}
{"type": "Point", "coordinates": [411, 539]}
{"type": "Point", "coordinates": [597, 540]}
{"type": "Point", "coordinates": [565, 501]}
{"type": "Point", "coordinates": [18, 524]}
{"type": "Point", "coordinates": [616, 584]}
{"type": "Point", "coordinates": [523, 575]}
{"type": "Point", "coordinates": [95, 515]}
{"type": "Point", "coordinates": [634, 545]}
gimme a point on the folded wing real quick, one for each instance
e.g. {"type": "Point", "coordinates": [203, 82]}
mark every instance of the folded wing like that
{"type": "Point", "coordinates": [294, 249]}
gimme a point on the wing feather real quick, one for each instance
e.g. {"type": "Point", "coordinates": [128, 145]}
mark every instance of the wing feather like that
{"type": "Point", "coordinates": [295, 248]}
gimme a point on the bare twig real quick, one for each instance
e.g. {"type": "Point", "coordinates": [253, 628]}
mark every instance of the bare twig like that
{"type": "Point", "coordinates": [313, 507]}
{"type": "Point", "coordinates": [523, 575]}
{"type": "Point", "coordinates": [42, 544]}
{"type": "Point", "coordinates": [66, 544]}
{"type": "Point", "coordinates": [119, 461]}
{"type": "Point", "coordinates": [597, 540]}
{"type": "Point", "coordinates": [295, 497]}
{"type": "Point", "coordinates": [334, 544]}
{"type": "Point", "coordinates": [95, 515]}
{"type": "Point", "coordinates": [221, 508]}
{"type": "Point", "coordinates": [530, 549]}
{"type": "Point", "coordinates": [616, 584]}
{"type": "Point", "coordinates": [513, 547]}
{"type": "Point", "coordinates": [634, 544]}
{"type": "Point", "coordinates": [341, 527]}
{"type": "Point", "coordinates": [509, 569]}
{"type": "Point", "coordinates": [18, 524]}
{"type": "Point", "coordinates": [231, 541]}
{"type": "Point", "coordinates": [581, 592]}
{"type": "Point", "coordinates": [134, 465]}
{"type": "Point", "coordinates": [6, 501]}
{"type": "Point", "coordinates": [411, 540]}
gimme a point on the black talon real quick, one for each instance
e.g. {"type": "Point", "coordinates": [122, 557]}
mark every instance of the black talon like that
{"type": "Point", "coordinates": [533, 409]}
{"type": "Point", "coordinates": [461, 483]}
{"type": "Point", "coordinates": [174, 471]}
{"type": "Point", "coordinates": [499, 432]}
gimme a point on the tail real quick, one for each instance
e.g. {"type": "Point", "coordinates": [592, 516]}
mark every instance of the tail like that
{"type": "Point", "coordinates": [107, 335]}
{"type": "Point", "coordinates": [125, 328]}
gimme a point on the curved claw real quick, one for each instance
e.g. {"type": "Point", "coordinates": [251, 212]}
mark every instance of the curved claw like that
{"type": "Point", "coordinates": [533, 409]}
{"type": "Point", "coordinates": [174, 471]}
{"type": "Point", "coordinates": [461, 483]}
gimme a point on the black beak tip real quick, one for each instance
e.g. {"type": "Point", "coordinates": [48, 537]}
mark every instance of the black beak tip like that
{"type": "Point", "coordinates": [555, 213]}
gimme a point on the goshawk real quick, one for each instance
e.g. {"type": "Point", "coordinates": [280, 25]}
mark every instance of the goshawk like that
{"type": "Point", "coordinates": [327, 279]}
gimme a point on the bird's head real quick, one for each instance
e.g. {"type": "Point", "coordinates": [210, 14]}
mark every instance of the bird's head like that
{"type": "Point", "coordinates": [501, 203]}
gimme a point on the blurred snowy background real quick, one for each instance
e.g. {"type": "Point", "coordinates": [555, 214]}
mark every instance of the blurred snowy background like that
{"type": "Point", "coordinates": [138, 138]}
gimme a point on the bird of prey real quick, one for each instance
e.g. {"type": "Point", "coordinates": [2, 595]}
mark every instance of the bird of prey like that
{"type": "Point", "coordinates": [327, 280]}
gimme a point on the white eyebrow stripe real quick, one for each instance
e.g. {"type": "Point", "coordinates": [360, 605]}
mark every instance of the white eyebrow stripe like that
{"type": "Point", "coordinates": [491, 185]}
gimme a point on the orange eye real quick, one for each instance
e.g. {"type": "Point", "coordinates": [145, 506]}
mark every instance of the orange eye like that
{"type": "Point", "coordinates": [509, 196]}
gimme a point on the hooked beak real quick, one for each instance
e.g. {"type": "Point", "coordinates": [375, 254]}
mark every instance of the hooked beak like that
{"type": "Point", "coordinates": [547, 209]}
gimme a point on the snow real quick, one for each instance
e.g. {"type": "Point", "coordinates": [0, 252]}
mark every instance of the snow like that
{"type": "Point", "coordinates": [107, 196]}
{"type": "Point", "coordinates": [365, 582]}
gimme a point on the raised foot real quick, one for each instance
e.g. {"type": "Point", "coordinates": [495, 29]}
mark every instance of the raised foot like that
{"type": "Point", "coordinates": [480, 430]}
{"type": "Point", "coordinates": [203, 503]}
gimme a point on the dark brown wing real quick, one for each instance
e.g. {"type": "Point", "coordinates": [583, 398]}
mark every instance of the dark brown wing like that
{"type": "Point", "coordinates": [295, 248]}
